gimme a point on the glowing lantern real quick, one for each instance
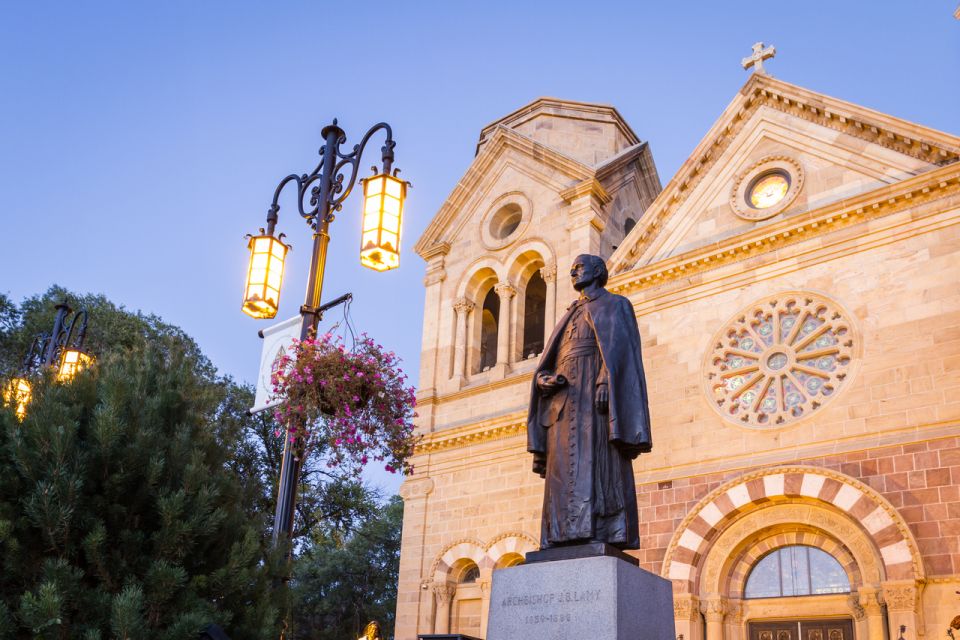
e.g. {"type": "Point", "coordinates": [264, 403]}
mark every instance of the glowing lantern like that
{"type": "Point", "coordinates": [17, 395]}
{"type": "Point", "coordinates": [383, 197]}
{"type": "Point", "coordinates": [71, 363]}
{"type": "Point", "coordinates": [261, 297]}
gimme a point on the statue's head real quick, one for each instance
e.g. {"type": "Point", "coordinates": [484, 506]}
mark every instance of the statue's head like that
{"type": "Point", "coordinates": [587, 269]}
{"type": "Point", "coordinates": [372, 631]}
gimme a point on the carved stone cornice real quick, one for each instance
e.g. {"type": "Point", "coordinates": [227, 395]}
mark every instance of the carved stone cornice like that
{"type": "Point", "coordinates": [590, 187]}
{"type": "Point", "coordinates": [549, 273]}
{"type": "Point", "coordinates": [463, 305]}
{"type": "Point", "coordinates": [465, 436]}
{"type": "Point", "coordinates": [686, 606]}
{"type": "Point", "coordinates": [713, 609]}
{"type": "Point", "coordinates": [869, 601]}
{"type": "Point", "coordinates": [505, 290]}
{"type": "Point", "coordinates": [443, 591]}
{"type": "Point", "coordinates": [414, 488]}
{"type": "Point", "coordinates": [901, 596]}
{"type": "Point", "coordinates": [933, 185]}
{"type": "Point", "coordinates": [434, 250]}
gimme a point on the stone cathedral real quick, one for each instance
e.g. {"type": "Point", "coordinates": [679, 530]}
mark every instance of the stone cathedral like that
{"type": "Point", "coordinates": [797, 288]}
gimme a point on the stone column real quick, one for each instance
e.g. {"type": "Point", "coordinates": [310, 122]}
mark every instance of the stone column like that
{"type": "Point", "coordinates": [902, 598]}
{"type": "Point", "coordinates": [504, 326]}
{"type": "Point", "coordinates": [872, 604]}
{"type": "Point", "coordinates": [484, 582]}
{"type": "Point", "coordinates": [549, 275]}
{"type": "Point", "coordinates": [714, 608]}
{"type": "Point", "coordinates": [686, 616]}
{"type": "Point", "coordinates": [586, 220]}
{"type": "Point", "coordinates": [462, 307]}
{"type": "Point", "coordinates": [444, 595]}
{"type": "Point", "coordinates": [414, 601]}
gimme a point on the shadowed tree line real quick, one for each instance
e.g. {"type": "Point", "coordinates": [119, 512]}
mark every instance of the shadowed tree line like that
{"type": "Point", "coordinates": [136, 502]}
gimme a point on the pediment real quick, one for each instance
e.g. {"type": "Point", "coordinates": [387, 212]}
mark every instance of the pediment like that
{"type": "Point", "coordinates": [508, 162]}
{"type": "Point", "coordinates": [832, 150]}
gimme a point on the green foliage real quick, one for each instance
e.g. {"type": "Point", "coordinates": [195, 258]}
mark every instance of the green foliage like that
{"type": "Point", "coordinates": [137, 501]}
{"type": "Point", "coordinates": [124, 509]}
{"type": "Point", "coordinates": [341, 583]}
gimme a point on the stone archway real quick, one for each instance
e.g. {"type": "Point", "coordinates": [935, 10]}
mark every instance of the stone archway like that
{"type": "Point", "coordinates": [717, 542]}
{"type": "Point", "coordinates": [488, 556]}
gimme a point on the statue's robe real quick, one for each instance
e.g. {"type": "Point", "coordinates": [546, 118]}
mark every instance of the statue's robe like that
{"type": "Point", "coordinates": [590, 493]}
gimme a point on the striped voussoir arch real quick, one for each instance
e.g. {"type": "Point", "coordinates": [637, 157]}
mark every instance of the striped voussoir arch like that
{"type": "Point", "coordinates": [484, 555]}
{"type": "Point", "coordinates": [861, 504]}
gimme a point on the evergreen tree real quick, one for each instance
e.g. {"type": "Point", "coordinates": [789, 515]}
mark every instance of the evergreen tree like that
{"type": "Point", "coordinates": [131, 502]}
{"type": "Point", "coordinates": [341, 583]}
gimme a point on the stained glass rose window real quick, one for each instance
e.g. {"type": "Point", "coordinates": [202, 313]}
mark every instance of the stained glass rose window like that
{"type": "Point", "coordinates": [780, 360]}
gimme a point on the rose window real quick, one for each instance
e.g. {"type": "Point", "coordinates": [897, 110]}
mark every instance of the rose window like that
{"type": "Point", "coordinates": [780, 361]}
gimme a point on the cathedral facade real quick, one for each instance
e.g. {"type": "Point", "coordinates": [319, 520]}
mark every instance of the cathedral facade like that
{"type": "Point", "coordinates": [796, 287]}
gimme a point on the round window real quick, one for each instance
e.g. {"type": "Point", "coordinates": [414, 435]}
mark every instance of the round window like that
{"type": "Point", "coordinates": [768, 189]}
{"type": "Point", "coordinates": [505, 221]}
{"type": "Point", "coordinates": [780, 360]}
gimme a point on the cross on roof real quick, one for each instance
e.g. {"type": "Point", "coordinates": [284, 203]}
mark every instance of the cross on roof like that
{"type": "Point", "coordinates": [757, 57]}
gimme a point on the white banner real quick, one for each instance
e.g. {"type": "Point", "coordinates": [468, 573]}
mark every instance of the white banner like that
{"type": "Point", "coordinates": [277, 341]}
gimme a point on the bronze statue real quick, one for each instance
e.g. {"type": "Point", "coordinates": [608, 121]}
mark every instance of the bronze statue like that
{"type": "Point", "coordinates": [371, 631]}
{"type": "Point", "coordinates": [589, 418]}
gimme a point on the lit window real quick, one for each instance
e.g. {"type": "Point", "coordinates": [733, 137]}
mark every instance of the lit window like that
{"type": "Point", "coordinates": [796, 571]}
{"type": "Point", "coordinates": [769, 189]}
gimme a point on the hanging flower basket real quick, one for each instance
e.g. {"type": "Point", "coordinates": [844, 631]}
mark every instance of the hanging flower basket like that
{"type": "Point", "coordinates": [354, 404]}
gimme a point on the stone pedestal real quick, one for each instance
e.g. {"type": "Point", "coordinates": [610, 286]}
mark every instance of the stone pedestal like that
{"type": "Point", "coordinates": [600, 598]}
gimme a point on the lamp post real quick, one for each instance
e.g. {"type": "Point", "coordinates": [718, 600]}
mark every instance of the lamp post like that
{"type": "Point", "coordinates": [319, 195]}
{"type": "Point", "coordinates": [61, 349]}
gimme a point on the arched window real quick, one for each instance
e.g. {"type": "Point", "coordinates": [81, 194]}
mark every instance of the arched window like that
{"type": "Point", "coordinates": [796, 570]}
{"type": "Point", "coordinates": [469, 574]}
{"type": "Point", "coordinates": [534, 310]}
{"type": "Point", "coordinates": [489, 319]}
{"type": "Point", "coordinates": [628, 225]}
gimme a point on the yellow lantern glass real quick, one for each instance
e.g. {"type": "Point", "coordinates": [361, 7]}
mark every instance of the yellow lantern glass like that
{"type": "Point", "coordinates": [261, 297]}
{"type": "Point", "coordinates": [383, 197]}
{"type": "Point", "coordinates": [71, 363]}
{"type": "Point", "coordinates": [16, 394]}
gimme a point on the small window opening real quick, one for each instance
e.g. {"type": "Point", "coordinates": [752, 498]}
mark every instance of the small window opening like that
{"type": "Point", "coordinates": [534, 315]}
{"type": "Point", "coordinates": [489, 317]}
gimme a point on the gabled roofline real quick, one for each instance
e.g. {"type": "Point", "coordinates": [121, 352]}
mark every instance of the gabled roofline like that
{"type": "Point", "coordinates": [503, 138]}
{"type": "Point", "coordinates": [930, 145]}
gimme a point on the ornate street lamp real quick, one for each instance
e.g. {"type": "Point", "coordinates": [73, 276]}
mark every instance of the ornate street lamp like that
{"type": "Point", "coordinates": [17, 394]}
{"type": "Point", "coordinates": [319, 195]}
{"type": "Point", "coordinates": [61, 350]}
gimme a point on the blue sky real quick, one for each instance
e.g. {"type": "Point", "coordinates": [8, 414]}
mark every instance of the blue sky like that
{"type": "Point", "coordinates": [139, 142]}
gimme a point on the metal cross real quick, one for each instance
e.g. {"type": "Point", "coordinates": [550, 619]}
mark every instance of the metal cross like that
{"type": "Point", "coordinates": [758, 56]}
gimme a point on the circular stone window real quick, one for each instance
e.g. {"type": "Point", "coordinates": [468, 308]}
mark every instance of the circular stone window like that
{"type": "Point", "coordinates": [780, 360]}
{"type": "Point", "coordinates": [505, 220]}
{"type": "Point", "coordinates": [766, 188]}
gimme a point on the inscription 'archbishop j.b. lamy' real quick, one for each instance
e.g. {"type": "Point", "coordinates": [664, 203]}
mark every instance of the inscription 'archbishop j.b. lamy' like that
{"type": "Point", "coordinates": [552, 597]}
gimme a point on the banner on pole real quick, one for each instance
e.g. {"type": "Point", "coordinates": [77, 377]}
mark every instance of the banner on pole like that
{"type": "Point", "coordinates": [277, 342]}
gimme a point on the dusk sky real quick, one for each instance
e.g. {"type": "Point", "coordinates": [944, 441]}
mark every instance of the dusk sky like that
{"type": "Point", "coordinates": [139, 142]}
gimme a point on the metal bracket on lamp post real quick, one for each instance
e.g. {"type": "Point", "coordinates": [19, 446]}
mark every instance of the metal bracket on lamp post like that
{"type": "Point", "coordinates": [47, 348]}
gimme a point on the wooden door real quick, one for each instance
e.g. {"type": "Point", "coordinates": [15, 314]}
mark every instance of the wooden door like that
{"type": "Point", "coordinates": [837, 629]}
